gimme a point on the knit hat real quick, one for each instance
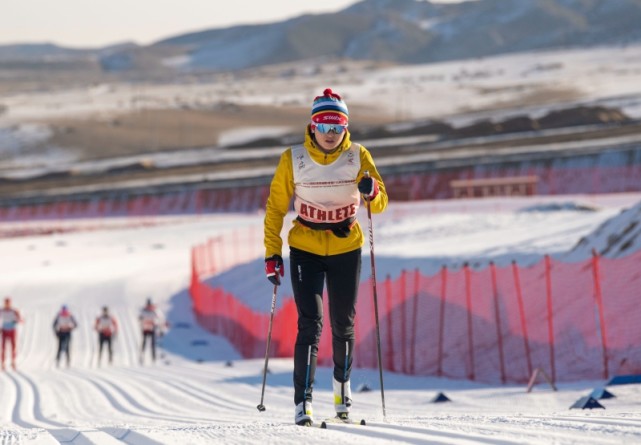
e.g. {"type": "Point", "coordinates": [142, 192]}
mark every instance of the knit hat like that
{"type": "Point", "coordinates": [329, 109]}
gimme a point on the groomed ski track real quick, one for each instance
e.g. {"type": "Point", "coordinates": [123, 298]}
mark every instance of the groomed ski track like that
{"type": "Point", "coordinates": [204, 393]}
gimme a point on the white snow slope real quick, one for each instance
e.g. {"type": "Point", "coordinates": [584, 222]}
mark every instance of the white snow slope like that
{"type": "Point", "coordinates": [201, 392]}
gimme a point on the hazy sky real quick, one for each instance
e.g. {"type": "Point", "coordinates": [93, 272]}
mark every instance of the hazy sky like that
{"type": "Point", "coordinates": [89, 23]}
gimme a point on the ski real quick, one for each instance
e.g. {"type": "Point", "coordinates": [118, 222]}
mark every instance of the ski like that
{"type": "Point", "coordinates": [343, 421]}
{"type": "Point", "coordinates": [333, 420]}
{"type": "Point", "coordinates": [321, 425]}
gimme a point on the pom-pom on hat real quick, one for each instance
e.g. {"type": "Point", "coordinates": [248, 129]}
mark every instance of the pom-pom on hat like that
{"type": "Point", "coordinates": [329, 109]}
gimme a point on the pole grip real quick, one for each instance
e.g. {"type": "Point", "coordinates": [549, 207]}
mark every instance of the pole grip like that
{"type": "Point", "coordinates": [365, 197]}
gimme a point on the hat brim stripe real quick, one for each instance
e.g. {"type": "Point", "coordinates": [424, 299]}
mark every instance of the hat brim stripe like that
{"type": "Point", "coordinates": [332, 111]}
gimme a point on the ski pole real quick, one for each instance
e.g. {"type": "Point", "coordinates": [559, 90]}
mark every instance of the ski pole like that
{"type": "Point", "coordinates": [373, 279]}
{"type": "Point", "coordinates": [260, 406]}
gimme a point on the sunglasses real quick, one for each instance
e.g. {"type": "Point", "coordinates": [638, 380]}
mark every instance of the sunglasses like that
{"type": "Point", "coordinates": [326, 128]}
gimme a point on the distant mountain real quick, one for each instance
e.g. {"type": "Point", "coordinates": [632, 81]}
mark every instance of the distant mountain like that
{"type": "Point", "coordinates": [401, 31]}
{"type": "Point", "coordinates": [37, 51]}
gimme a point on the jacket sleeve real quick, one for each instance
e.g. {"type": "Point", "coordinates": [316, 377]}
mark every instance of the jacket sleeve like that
{"type": "Point", "coordinates": [281, 192]}
{"type": "Point", "coordinates": [379, 203]}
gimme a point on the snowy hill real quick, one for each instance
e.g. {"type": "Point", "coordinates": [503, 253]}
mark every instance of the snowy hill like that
{"type": "Point", "coordinates": [616, 237]}
{"type": "Point", "coordinates": [411, 31]}
{"type": "Point", "coordinates": [408, 31]}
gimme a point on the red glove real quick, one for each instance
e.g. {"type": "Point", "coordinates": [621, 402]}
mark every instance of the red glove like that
{"type": "Point", "coordinates": [368, 187]}
{"type": "Point", "coordinates": [273, 268]}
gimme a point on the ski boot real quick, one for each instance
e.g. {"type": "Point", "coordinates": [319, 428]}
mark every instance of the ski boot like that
{"type": "Point", "coordinates": [303, 413]}
{"type": "Point", "coordinates": [342, 399]}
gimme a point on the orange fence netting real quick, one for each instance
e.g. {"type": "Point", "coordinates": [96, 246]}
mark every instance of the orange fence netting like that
{"type": "Point", "coordinates": [573, 320]}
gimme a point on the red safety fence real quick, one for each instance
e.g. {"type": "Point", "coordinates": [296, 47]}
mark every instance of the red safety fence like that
{"type": "Point", "coordinates": [188, 201]}
{"type": "Point", "coordinates": [222, 252]}
{"type": "Point", "coordinates": [423, 185]}
{"type": "Point", "coordinates": [573, 320]}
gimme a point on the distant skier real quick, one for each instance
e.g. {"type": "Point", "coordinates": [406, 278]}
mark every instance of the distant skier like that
{"type": "Point", "coordinates": [107, 327]}
{"type": "Point", "coordinates": [9, 317]}
{"type": "Point", "coordinates": [153, 324]}
{"type": "Point", "coordinates": [63, 324]}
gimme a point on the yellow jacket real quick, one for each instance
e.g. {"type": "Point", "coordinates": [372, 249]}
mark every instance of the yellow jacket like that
{"type": "Point", "coordinates": [281, 192]}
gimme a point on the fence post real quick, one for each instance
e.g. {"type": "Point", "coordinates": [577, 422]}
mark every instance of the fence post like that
{"type": "Point", "coordinates": [441, 329]}
{"type": "Point", "coordinates": [194, 267]}
{"type": "Point", "coordinates": [599, 301]}
{"type": "Point", "coordinates": [414, 317]}
{"type": "Point", "coordinates": [470, 331]}
{"type": "Point", "coordinates": [548, 288]}
{"type": "Point", "coordinates": [235, 247]}
{"type": "Point", "coordinates": [210, 254]}
{"type": "Point", "coordinates": [497, 317]}
{"type": "Point", "coordinates": [403, 306]}
{"type": "Point", "coordinates": [222, 254]}
{"type": "Point", "coordinates": [519, 299]}
{"type": "Point", "coordinates": [391, 363]}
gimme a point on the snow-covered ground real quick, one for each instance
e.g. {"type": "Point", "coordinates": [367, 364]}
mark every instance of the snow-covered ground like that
{"type": "Point", "coordinates": [201, 392]}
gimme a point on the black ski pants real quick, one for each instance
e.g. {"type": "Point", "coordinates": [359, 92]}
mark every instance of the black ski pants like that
{"type": "Point", "coordinates": [309, 273]}
{"type": "Point", "coordinates": [104, 339]}
{"type": "Point", "coordinates": [151, 335]}
{"type": "Point", "coordinates": [64, 339]}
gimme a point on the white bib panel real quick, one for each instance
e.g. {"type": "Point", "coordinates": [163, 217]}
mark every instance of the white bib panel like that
{"type": "Point", "coordinates": [326, 194]}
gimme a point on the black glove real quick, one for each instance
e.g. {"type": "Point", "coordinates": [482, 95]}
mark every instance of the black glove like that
{"type": "Point", "coordinates": [273, 268]}
{"type": "Point", "coordinates": [368, 187]}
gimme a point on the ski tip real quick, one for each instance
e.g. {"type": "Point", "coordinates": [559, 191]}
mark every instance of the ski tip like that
{"type": "Point", "coordinates": [323, 425]}
{"type": "Point", "coordinates": [362, 422]}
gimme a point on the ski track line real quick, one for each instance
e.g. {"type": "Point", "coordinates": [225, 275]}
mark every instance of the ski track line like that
{"type": "Point", "coordinates": [213, 396]}
{"type": "Point", "coordinates": [109, 389]}
{"type": "Point", "coordinates": [79, 401]}
{"type": "Point", "coordinates": [178, 392]}
{"type": "Point", "coordinates": [9, 397]}
{"type": "Point", "coordinates": [241, 403]}
{"type": "Point", "coordinates": [84, 436]}
{"type": "Point", "coordinates": [149, 390]}
{"type": "Point", "coordinates": [197, 372]}
{"type": "Point", "coordinates": [26, 401]}
{"type": "Point", "coordinates": [130, 343]}
{"type": "Point", "coordinates": [422, 435]}
{"type": "Point", "coordinates": [130, 436]}
{"type": "Point", "coordinates": [165, 394]}
{"type": "Point", "coordinates": [256, 432]}
{"type": "Point", "coordinates": [197, 393]}
{"type": "Point", "coordinates": [30, 344]}
{"type": "Point", "coordinates": [113, 398]}
{"type": "Point", "coordinates": [549, 431]}
{"type": "Point", "coordinates": [609, 421]}
{"type": "Point", "coordinates": [37, 405]}
{"type": "Point", "coordinates": [623, 426]}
